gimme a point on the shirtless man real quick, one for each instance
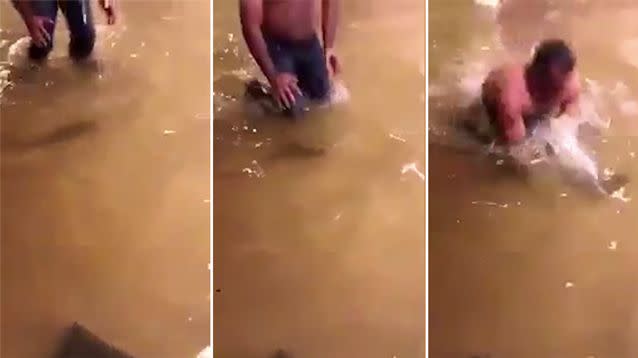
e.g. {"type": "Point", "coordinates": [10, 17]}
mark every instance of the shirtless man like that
{"type": "Point", "coordinates": [518, 96]}
{"type": "Point", "coordinates": [282, 37]}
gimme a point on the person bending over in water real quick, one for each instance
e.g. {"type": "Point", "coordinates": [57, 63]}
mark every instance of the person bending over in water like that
{"type": "Point", "coordinates": [282, 38]}
{"type": "Point", "coordinates": [40, 15]}
{"type": "Point", "coordinates": [518, 96]}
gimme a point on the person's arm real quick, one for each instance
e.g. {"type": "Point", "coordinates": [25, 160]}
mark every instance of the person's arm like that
{"type": "Point", "coordinates": [251, 15]}
{"type": "Point", "coordinates": [329, 20]}
{"type": "Point", "coordinates": [24, 8]}
{"type": "Point", "coordinates": [570, 104]}
{"type": "Point", "coordinates": [108, 6]}
{"type": "Point", "coordinates": [35, 24]}
{"type": "Point", "coordinates": [513, 124]}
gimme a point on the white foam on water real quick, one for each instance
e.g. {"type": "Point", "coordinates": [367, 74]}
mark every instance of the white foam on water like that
{"type": "Point", "coordinates": [339, 93]}
{"type": "Point", "coordinates": [620, 195]}
{"type": "Point", "coordinates": [488, 3]}
{"type": "Point", "coordinates": [206, 353]}
{"type": "Point", "coordinates": [561, 135]}
{"type": "Point", "coordinates": [412, 167]}
{"type": "Point", "coordinates": [4, 79]}
{"type": "Point", "coordinates": [471, 80]}
{"type": "Point", "coordinates": [18, 55]}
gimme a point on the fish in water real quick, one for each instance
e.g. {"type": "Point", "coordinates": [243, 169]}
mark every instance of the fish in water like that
{"type": "Point", "coordinates": [563, 149]}
{"type": "Point", "coordinates": [259, 93]}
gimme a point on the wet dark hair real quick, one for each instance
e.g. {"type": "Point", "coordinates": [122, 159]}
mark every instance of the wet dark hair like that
{"type": "Point", "coordinates": [553, 53]}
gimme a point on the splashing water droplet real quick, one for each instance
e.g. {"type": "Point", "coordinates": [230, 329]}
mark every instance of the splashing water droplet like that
{"type": "Point", "coordinates": [613, 245]}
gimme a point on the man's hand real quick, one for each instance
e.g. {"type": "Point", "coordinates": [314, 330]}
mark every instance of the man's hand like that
{"type": "Point", "coordinates": [109, 9]}
{"type": "Point", "coordinates": [284, 89]}
{"type": "Point", "coordinates": [36, 25]}
{"type": "Point", "coordinates": [332, 62]}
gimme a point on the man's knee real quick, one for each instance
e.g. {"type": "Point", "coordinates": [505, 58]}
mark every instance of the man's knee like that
{"type": "Point", "coordinates": [82, 46]}
{"type": "Point", "coordinates": [38, 53]}
{"type": "Point", "coordinates": [80, 23]}
{"type": "Point", "coordinates": [315, 82]}
{"type": "Point", "coordinates": [323, 88]}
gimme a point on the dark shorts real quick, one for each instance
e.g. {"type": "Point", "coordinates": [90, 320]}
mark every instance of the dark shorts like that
{"type": "Point", "coordinates": [306, 60]}
{"type": "Point", "coordinates": [79, 21]}
{"type": "Point", "coordinates": [491, 108]}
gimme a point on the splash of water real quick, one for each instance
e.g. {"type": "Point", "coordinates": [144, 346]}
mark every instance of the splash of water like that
{"type": "Point", "coordinates": [206, 353]}
{"type": "Point", "coordinates": [489, 3]}
{"type": "Point", "coordinates": [555, 142]}
{"type": "Point", "coordinates": [561, 135]}
{"type": "Point", "coordinates": [18, 52]}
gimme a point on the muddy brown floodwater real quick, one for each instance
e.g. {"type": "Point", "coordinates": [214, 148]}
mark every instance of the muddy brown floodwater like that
{"type": "Point", "coordinates": [532, 268]}
{"type": "Point", "coordinates": [318, 231]}
{"type": "Point", "coordinates": [105, 216]}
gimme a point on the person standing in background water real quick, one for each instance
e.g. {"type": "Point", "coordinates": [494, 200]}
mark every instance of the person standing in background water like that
{"type": "Point", "coordinates": [39, 16]}
{"type": "Point", "coordinates": [282, 38]}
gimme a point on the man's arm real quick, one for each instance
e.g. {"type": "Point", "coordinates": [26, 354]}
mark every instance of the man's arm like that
{"type": "Point", "coordinates": [108, 6]}
{"type": "Point", "coordinates": [252, 14]}
{"type": "Point", "coordinates": [513, 124]}
{"type": "Point", "coordinates": [35, 24]}
{"type": "Point", "coordinates": [329, 19]}
{"type": "Point", "coordinates": [24, 8]}
{"type": "Point", "coordinates": [570, 103]}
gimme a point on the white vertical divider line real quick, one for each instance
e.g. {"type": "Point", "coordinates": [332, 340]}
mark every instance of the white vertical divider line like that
{"type": "Point", "coordinates": [427, 176]}
{"type": "Point", "coordinates": [211, 203]}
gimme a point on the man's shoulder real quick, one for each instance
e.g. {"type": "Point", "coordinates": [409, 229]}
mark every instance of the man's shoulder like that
{"type": "Point", "coordinates": [508, 80]}
{"type": "Point", "coordinates": [514, 71]}
{"type": "Point", "coordinates": [507, 72]}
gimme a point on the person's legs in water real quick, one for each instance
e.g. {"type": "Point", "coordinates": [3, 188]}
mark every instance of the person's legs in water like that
{"type": "Point", "coordinates": [45, 8]}
{"type": "Point", "coordinates": [80, 22]}
{"type": "Point", "coordinates": [312, 73]}
{"type": "Point", "coordinates": [305, 59]}
{"type": "Point", "coordinates": [480, 120]}
{"type": "Point", "coordinates": [282, 53]}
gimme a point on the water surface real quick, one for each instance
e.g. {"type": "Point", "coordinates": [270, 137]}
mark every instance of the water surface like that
{"type": "Point", "coordinates": [319, 232]}
{"type": "Point", "coordinates": [105, 219]}
{"type": "Point", "coordinates": [536, 267]}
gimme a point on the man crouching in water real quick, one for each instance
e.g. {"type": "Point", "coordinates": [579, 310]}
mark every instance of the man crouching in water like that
{"type": "Point", "coordinates": [518, 96]}
{"type": "Point", "coordinates": [281, 36]}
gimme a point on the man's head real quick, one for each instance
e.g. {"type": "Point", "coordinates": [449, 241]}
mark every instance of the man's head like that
{"type": "Point", "coordinates": [553, 62]}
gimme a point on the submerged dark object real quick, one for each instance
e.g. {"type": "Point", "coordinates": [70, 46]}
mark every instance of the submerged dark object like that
{"type": "Point", "coordinates": [614, 183]}
{"type": "Point", "coordinates": [259, 93]}
{"type": "Point", "coordinates": [280, 353]}
{"type": "Point", "coordinates": [79, 342]}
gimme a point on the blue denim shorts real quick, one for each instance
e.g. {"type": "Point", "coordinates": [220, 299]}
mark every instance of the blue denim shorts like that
{"type": "Point", "coordinates": [306, 60]}
{"type": "Point", "coordinates": [79, 20]}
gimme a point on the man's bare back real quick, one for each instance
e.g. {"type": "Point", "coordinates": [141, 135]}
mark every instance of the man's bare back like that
{"type": "Point", "coordinates": [291, 19]}
{"type": "Point", "coordinates": [516, 96]}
